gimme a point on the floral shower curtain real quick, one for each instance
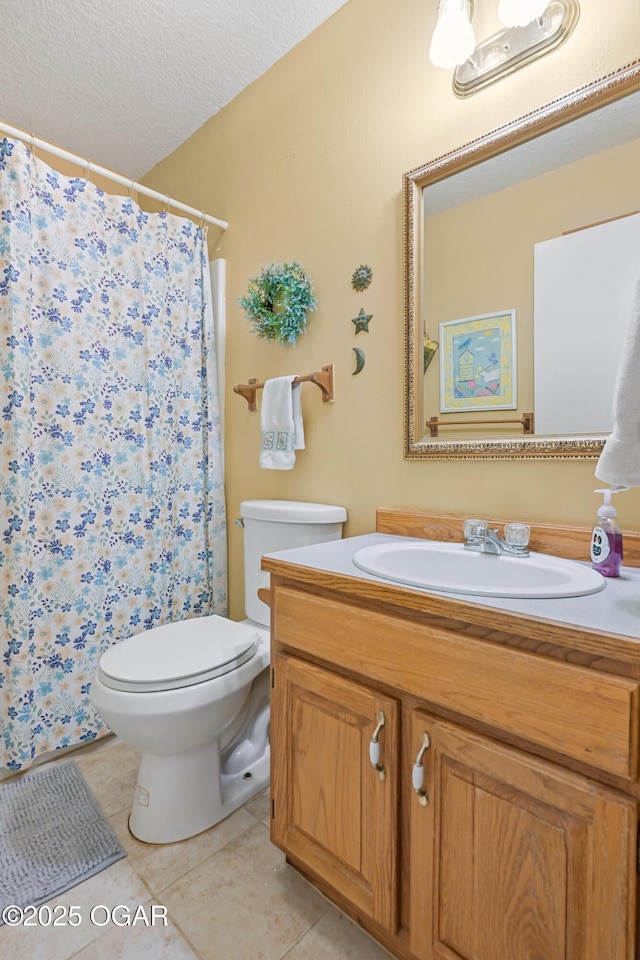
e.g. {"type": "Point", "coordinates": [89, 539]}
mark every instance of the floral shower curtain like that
{"type": "Point", "coordinates": [111, 501]}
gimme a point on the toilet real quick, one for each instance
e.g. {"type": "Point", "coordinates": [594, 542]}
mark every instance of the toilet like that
{"type": "Point", "coordinates": [193, 695]}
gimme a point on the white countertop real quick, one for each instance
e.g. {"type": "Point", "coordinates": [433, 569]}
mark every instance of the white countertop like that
{"type": "Point", "coordinates": [616, 609]}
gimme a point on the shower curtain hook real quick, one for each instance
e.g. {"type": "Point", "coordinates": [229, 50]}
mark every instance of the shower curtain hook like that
{"type": "Point", "coordinates": [165, 204]}
{"type": "Point", "coordinates": [32, 145]}
{"type": "Point", "coordinates": [131, 182]}
{"type": "Point", "coordinates": [87, 168]}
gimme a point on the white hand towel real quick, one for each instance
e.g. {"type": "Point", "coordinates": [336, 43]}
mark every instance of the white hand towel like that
{"type": "Point", "coordinates": [281, 421]}
{"type": "Point", "coordinates": [619, 462]}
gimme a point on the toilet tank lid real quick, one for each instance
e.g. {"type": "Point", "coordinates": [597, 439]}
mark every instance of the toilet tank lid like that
{"type": "Point", "coordinates": [292, 511]}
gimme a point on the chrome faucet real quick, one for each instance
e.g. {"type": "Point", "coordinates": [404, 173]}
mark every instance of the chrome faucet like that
{"type": "Point", "coordinates": [479, 536]}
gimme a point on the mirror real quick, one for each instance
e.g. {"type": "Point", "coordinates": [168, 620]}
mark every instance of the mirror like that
{"type": "Point", "coordinates": [522, 250]}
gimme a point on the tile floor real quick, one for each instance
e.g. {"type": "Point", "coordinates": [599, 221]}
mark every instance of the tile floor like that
{"type": "Point", "coordinates": [228, 893]}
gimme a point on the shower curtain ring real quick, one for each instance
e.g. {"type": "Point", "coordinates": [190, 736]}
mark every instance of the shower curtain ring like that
{"type": "Point", "coordinates": [165, 204]}
{"type": "Point", "coordinates": [131, 190]}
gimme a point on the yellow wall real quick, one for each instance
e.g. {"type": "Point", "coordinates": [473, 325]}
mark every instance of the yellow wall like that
{"type": "Point", "coordinates": [307, 164]}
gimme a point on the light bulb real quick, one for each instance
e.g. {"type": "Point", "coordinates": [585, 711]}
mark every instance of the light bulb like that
{"type": "Point", "coordinates": [518, 13]}
{"type": "Point", "coordinates": [453, 41]}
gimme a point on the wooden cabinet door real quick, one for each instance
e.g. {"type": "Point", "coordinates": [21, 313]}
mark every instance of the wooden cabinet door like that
{"type": "Point", "coordinates": [332, 811]}
{"type": "Point", "coordinates": [516, 859]}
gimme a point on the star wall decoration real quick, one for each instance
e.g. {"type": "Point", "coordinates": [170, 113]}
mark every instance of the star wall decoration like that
{"type": "Point", "coordinates": [362, 321]}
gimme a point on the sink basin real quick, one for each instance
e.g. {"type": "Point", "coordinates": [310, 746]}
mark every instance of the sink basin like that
{"type": "Point", "coordinates": [435, 565]}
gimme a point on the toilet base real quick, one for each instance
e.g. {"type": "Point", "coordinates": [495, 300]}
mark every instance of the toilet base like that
{"type": "Point", "coordinates": [180, 795]}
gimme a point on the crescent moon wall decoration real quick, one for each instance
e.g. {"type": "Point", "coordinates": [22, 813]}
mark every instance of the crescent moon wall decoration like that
{"type": "Point", "coordinates": [359, 360]}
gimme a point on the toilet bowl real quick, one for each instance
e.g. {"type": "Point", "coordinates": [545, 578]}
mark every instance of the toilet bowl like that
{"type": "Point", "coordinates": [182, 717]}
{"type": "Point", "coordinates": [193, 695]}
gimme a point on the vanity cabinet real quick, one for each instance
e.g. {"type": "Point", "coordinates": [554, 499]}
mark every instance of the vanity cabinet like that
{"type": "Point", "coordinates": [513, 838]}
{"type": "Point", "coordinates": [515, 858]}
{"type": "Point", "coordinates": [338, 814]}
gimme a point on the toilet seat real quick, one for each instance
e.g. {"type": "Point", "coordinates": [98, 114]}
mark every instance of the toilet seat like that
{"type": "Point", "coordinates": [178, 655]}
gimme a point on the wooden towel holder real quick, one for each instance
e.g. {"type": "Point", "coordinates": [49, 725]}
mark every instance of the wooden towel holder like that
{"type": "Point", "coordinates": [322, 378]}
{"type": "Point", "coordinates": [525, 421]}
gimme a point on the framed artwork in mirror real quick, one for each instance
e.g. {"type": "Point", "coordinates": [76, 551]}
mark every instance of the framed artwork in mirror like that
{"type": "Point", "coordinates": [478, 363]}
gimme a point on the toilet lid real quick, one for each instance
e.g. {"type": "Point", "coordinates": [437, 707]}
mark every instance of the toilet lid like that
{"type": "Point", "coordinates": [177, 654]}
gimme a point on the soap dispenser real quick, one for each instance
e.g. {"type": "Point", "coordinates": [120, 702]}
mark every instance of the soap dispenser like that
{"type": "Point", "coordinates": [606, 539]}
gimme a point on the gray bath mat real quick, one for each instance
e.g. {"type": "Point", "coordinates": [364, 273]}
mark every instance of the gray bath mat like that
{"type": "Point", "coordinates": [53, 835]}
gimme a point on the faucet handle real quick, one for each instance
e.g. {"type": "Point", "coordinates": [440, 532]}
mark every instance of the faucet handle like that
{"type": "Point", "coordinates": [474, 528]}
{"type": "Point", "coordinates": [517, 535]}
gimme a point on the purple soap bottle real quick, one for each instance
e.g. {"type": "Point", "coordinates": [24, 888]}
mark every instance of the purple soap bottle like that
{"type": "Point", "coordinates": [606, 539]}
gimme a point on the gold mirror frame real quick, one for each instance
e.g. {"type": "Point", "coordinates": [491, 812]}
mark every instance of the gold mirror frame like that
{"type": "Point", "coordinates": [560, 111]}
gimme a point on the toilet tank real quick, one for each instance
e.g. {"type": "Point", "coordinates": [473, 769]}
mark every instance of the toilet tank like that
{"type": "Point", "coordinates": [271, 525]}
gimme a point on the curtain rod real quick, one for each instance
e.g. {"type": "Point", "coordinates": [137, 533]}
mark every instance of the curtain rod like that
{"type": "Point", "coordinates": [108, 174]}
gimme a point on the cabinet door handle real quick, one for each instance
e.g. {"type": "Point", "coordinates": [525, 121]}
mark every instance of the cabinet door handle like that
{"type": "Point", "coordinates": [417, 772]}
{"type": "Point", "coordinates": [374, 747]}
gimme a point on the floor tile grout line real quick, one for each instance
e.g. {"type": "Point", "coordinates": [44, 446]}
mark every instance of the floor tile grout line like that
{"type": "Point", "coordinates": [181, 933]}
{"type": "Point", "coordinates": [141, 878]}
{"type": "Point", "coordinates": [185, 936]}
{"type": "Point", "coordinates": [198, 866]}
{"type": "Point", "coordinates": [302, 936]}
{"type": "Point", "coordinates": [89, 943]}
{"type": "Point", "coordinates": [329, 906]}
{"type": "Point", "coordinates": [160, 890]}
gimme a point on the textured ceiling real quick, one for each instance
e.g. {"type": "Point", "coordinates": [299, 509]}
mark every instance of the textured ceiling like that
{"type": "Point", "coordinates": [125, 82]}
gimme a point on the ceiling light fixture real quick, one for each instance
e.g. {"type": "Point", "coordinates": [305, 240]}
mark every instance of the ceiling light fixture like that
{"type": "Point", "coordinates": [536, 27]}
{"type": "Point", "coordinates": [453, 41]}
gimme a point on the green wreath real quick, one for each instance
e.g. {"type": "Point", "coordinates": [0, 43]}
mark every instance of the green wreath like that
{"type": "Point", "coordinates": [278, 300]}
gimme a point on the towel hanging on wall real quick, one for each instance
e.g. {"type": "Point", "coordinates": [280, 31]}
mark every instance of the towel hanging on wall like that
{"type": "Point", "coordinates": [281, 422]}
{"type": "Point", "coordinates": [619, 463]}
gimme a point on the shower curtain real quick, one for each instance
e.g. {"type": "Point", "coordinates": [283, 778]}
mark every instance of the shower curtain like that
{"type": "Point", "coordinates": [112, 513]}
